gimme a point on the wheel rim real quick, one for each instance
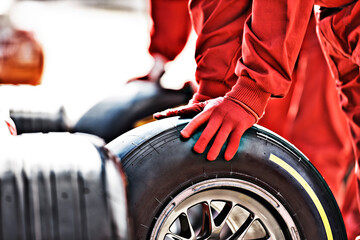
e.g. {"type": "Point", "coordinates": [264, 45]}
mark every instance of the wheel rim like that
{"type": "Point", "coordinates": [224, 208]}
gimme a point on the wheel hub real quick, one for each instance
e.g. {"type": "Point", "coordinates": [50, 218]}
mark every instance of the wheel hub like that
{"type": "Point", "coordinates": [224, 209]}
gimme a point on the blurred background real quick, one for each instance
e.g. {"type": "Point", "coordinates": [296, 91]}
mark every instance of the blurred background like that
{"type": "Point", "coordinates": [91, 48]}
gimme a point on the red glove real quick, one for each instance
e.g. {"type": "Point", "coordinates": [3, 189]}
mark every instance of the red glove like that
{"type": "Point", "coordinates": [226, 118]}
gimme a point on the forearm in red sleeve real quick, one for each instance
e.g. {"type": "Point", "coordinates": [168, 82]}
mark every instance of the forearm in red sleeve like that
{"type": "Point", "coordinates": [170, 29]}
{"type": "Point", "coordinates": [219, 25]}
{"type": "Point", "coordinates": [273, 35]}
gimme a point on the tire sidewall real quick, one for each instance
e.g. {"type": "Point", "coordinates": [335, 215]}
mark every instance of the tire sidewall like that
{"type": "Point", "coordinates": [166, 165]}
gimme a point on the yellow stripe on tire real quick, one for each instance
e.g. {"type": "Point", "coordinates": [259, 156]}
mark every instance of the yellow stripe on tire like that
{"type": "Point", "coordinates": [309, 191]}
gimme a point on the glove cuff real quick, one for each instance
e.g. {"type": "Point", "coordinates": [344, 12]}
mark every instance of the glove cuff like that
{"type": "Point", "coordinates": [248, 94]}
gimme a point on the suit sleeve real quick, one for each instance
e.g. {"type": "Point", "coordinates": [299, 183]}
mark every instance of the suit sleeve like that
{"type": "Point", "coordinates": [272, 38]}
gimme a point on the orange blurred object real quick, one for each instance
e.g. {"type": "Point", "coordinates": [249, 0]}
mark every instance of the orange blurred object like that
{"type": "Point", "coordinates": [21, 58]}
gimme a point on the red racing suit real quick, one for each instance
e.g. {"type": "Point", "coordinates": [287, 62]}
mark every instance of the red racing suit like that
{"type": "Point", "coordinates": [171, 27]}
{"type": "Point", "coordinates": [339, 30]}
{"type": "Point", "coordinates": [310, 117]}
{"type": "Point", "coordinates": [254, 61]}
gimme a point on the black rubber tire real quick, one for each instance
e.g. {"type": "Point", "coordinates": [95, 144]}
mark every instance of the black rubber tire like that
{"type": "Point", "coordinates": [136, 102]}
{"type": "Point", "coordinates": [61, 186]}
{"type": "Point", "coordinates": [34, 122]}
{"type": "Point", "coordinates": [159, 165]}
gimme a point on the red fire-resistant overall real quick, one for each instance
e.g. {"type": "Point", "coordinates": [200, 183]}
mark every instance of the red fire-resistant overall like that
{"type": "Point", "coordinates": [273, 35]}
{"type": "Point", "coordinates": [310, 117]}
{"type": "Point", "coordinates": [339, 32]}
{"type": "Point", "coordinates": [171, 27]}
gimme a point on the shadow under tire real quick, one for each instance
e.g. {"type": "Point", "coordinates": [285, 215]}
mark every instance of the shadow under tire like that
{"type": "Point", "coordinates": [269, 190]}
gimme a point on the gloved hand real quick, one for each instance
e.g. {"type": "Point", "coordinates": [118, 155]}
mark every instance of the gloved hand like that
{"type": "Point", "coordinates": [225, 118]}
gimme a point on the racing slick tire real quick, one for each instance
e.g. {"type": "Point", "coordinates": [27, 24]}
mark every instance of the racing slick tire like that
{"type": "Point", "coordinates": [61, 186]}
{"type": "Point", "coordinates": [131, 107]}
{"type": "Point", "coordinates": [40, 122]}
{"type": "Point", "coordinates": [269, 190]}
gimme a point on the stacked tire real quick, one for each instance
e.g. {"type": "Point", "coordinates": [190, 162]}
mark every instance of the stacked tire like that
{"type": "Point", "coordinates": [60, 186]}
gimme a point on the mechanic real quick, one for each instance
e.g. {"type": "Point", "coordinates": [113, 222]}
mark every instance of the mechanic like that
{"type": "Point", "coordinates": [175, 13]}
{"type": "Point", "coordinates": [320, 131]}
{"type": "Point", "coordinates": [272, 38]}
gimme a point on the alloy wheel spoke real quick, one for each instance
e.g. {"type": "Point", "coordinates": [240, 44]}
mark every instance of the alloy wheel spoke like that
{"type": "Point", "coordinates": [174, 236]}
{"type": "Point", "coordinates": [186, 226]}
{"type": "Point", "coordinates": [223, 216]}
{"type": "Point", "coordinates": [240, 233]}
{"type": "Point", "coordinates": [208, 224]}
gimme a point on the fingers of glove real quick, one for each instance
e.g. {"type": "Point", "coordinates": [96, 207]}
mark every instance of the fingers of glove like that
{"type": "Point", "coordinates": [192, 110]}
{"type": "Point", "coordinates": [210, 130]}
{"type": "Point", "coordinates": [219, 141]}
{"type": "Point", "coordinates": [233, 143]}
{"type": "Point", "coordinates": [185, 111]}
{"type": "Point", "coordinates": [165, 114]}
{"type": "Point", "coordinates": [235, 136]}
{"type": "Point", "coordinates": [195, 123]}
